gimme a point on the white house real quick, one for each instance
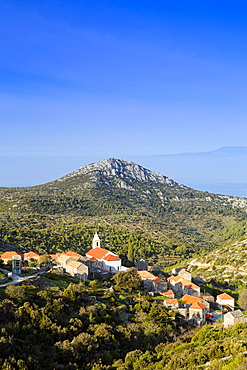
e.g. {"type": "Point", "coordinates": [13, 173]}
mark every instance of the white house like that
{"type": "Point", "coordinates": [7, 256]}
{"type": "Point", "coordinates": [225, 299]}
{"type": "Point", "coordinates": [111, 262]}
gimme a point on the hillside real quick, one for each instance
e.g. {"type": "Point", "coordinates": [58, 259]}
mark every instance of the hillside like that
{"type": "Point", "coordinates": [56, 323]}
{"type": "Point", "coordinates": [226, 264]}
{"type": "Point", "coordinates": [122, 193]}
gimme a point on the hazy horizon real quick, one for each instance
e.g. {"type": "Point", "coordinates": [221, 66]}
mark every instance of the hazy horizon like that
{"type": "Point", "coordinates": [82, 81]}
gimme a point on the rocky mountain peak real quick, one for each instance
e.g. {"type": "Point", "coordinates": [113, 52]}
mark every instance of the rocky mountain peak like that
{"type": "Point", "coordinates": [120, 168]}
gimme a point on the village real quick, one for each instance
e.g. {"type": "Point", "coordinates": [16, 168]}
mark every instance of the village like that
{"type": "Point", "coordinates": [181, 293]}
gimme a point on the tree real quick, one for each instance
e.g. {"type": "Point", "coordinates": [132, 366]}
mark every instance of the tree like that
{"type": "Point", "coordinates": [15, 291]}
{"type": "Point", "coordinates": [46, 259]}
{"type": "Point", "coordinates": [130, 256]}
{"type": "Point", "coordinates": [242, 300]}
{"type": "Point", "coordinates": [129, 279]}
{"type": "Point", "coordinates": [33, 262]}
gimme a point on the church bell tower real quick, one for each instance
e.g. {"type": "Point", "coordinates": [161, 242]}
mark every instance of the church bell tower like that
{"type": "Point", "coordinates": [96, 241]}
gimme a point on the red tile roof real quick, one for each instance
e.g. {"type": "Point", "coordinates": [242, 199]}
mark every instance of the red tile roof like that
{"type": "Point", "coordinates": [97, 253]}
{"type": "Point", "coordinates": [72, 254]}
{"type": "Point", "coordinates": [175, 278]}
{"type": "Point", "coordinates": [31, 254]}
{"type": "Point", "coordinates": [189, 299]}
{"type": "Point", "coordinates": [197, 306]}
{"type": "Point", "coordinates": [168, 292]}
{"type": "Point", "coordinates": [224, 296]}
{"type": "Point", "coordinates": [92, 259]}
{"type": "Point", "coordinates": [9, 255]}
{"type": "Point", "coordinates": [111, 257]}
{"type": "Point", "coordinates": [146, 275]}
{"type": "Point", "coordinates": [157, 280]}
{"type": "Point", "coordinates": [171, 301]}
{"type": "Point", "coordinates": [188, 284]}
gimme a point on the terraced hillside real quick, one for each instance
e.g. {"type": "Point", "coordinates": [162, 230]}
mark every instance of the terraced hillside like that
{"type": "Point", "coordinates": [227, 264]}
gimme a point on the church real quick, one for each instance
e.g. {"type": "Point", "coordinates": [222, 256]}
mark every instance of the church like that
{"type": "Point", "coordinates": [103, 258]}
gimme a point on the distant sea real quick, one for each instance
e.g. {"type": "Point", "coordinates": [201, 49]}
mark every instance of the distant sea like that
{"type": "Point", "coordinates": [237, 190]}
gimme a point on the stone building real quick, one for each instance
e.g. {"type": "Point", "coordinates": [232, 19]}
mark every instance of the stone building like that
{"type": "Point", "coordinates": [141, 265]}
{"type": "Point", "coordinates": [197, 313]}
{"type": "Point", "coordinates": [233, 317]}
{"type": "Point", "coordinates": [29, 256]}
{"type": "Point", "coordinates": [172, 303]}
{"type": "Point", "coordinates": [151, 282]}
{"type": "Point", "coordinates": [181, 286]}
{"type": "Point", "coordinates": [168, 294]}
{"type": "Point", "coordinates": [185, 274]}
{"type": "Point", "coordinates": [77, 269]}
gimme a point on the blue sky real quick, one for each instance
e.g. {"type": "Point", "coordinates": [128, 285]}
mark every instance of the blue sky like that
{"type": "Point", "coordinates": [86, 80]}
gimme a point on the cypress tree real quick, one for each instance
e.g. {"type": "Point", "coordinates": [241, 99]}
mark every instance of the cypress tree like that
{"type": "Point", "coordinates": [130, 255]}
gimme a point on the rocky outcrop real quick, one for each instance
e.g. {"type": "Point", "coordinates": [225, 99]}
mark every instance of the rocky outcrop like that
{"type": "Point", "coordinates": [113, 167]}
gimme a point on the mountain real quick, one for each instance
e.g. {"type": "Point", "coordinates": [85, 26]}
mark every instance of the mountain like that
{"type": "Point", "coordinates": [229, 150]}
{"type": "Point", "coordinates": [118, 168]}
{"type": "Point", "coordinates": [108, 185]}
{"type": "Point", "coordinates": [224, 150]}
{"type": "Point", "coordinates": [124, 193]}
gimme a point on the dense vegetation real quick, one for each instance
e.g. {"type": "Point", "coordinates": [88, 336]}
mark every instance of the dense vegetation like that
{"type": "Point", "coordinates": [78, 238]}
{"type": "Point", "coordinates": [77, 327]}
{"type": "Point", "coordinates": [56, 323]}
